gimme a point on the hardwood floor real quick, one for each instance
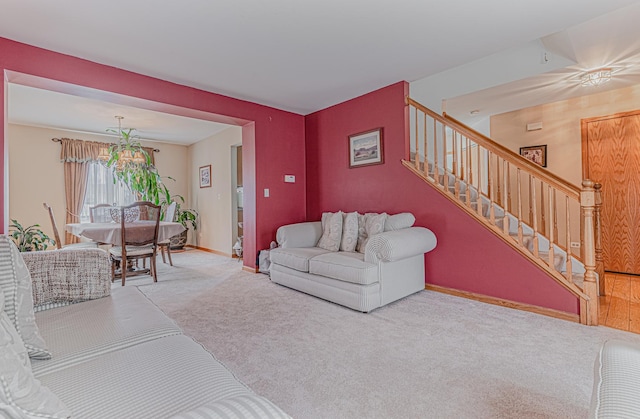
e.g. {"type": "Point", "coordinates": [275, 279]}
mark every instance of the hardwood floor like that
{"type": "Point", "coordinates": [620, 307]}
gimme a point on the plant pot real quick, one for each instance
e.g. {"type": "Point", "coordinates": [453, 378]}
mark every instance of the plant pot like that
{"type": "Point", "coordinates": [179, 240]}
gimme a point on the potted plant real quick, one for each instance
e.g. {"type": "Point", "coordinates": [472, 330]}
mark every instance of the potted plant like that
{"type": "Point", "coordinates": [132, 166]}
{"type": "Point", "coordinates": [29, 239]}
{"type": "Point", "coordinates": [185, 216]}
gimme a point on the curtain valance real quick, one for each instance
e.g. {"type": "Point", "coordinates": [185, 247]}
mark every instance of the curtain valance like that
{"type": "Point", "coordinates": [80, 151]}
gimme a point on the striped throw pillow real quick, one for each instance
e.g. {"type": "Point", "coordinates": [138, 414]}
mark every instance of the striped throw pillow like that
{"type": "Point", "coordinates": [15, 283]}
{"type": "Point", "coordinates": [21, 394]}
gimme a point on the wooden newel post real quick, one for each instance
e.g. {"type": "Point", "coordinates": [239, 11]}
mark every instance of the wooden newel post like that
{"type": "Point", "coordinates": [598, 238]}
{"type": "Point", "coordinates": [589, 310]}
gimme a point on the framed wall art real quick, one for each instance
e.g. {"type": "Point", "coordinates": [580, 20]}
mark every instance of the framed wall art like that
{"type": "Point", "coordinates": [205, 176]}
{"type": "Point", "coordinates": [535, 153]}
{"type": "Point", "coordinates": [366, 148]}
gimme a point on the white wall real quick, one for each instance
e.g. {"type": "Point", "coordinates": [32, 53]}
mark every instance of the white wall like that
{"type": "Point", "coordinates": [561, 127]}
{"type": "Point", "coordinates": [36, 174]}
{"type": "Point", "coordinates": [214, 204]}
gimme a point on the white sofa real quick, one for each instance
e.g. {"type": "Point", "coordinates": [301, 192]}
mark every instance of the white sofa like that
{"type": "Point", "coordinates": [616, 387]}
{"type": "Point", "coordinates": [389, 266]}
{"type": "Point", "coordinates": [115, 355]}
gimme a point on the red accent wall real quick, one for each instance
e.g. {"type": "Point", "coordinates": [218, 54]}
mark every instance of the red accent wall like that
{"type": "Point", "coordinates": [468, 257]}
{"type": "Point", "coordinates": [276, 138]}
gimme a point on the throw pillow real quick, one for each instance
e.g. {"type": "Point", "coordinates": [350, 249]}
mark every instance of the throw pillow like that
{"type": "Point", "coordinates": [399, 221]}
{"type": "Point", "coordinates": [15, 282]}
{"type": "Point", "coordinates": [374, 224]}
{"type": "Point", "coordinates": [21, 394]}
{"type": "Point", "coordinates": [331, 231]}
{"type": "Point", "coordinates": [362, 232]}
{"type": "Point", "coordinates": [349, 232]}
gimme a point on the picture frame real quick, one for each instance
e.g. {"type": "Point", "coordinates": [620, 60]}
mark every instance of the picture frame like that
{"type": "Point", "coordinates": [205, 176]}
{"type": "Point", "coordinates": [366, 148]}
{"type": "Point", "coordinates": [535, 153]}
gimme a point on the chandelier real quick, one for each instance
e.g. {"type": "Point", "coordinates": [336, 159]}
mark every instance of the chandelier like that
{"type": "Point", "coordinates": [127, 151]}
{"type": "Point", "coordinates": [596, 78]}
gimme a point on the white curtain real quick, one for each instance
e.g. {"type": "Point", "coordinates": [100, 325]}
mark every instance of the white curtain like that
{"type": "Point", "coordinates": [102, 190]}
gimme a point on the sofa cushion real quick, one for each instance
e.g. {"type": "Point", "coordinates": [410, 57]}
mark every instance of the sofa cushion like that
{"type": "Point", "coordinates": [241, 407]}
{"type": "Point", "coordinates": [295, 257]}
{"type": "Point", "coordinates": [15, 282]}
{"type": "Point", "coordinates": [154, 379]}
{"type": "Point", "coordinates": [21, 394]}
{"type": "Point", "coordinates": [349, 232]}
{"type": "Point", "coordinates": [399, 221]}
{"type": "Point", "coordinates": [344, 266]}
{"type": "Point", "coordinates": [82, 331]}
{"type": "Point", "coordinates": [331, 231]}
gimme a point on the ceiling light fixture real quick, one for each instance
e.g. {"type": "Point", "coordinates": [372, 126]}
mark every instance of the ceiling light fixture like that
{"type": "Point", "coordinates": [596, 78]}
{"type": "Point", "coordinates": [127, 151]}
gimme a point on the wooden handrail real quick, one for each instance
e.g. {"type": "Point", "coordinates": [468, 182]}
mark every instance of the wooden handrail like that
{"type": "Point", "coordinates": [485, 183]}
{"type": "Point", "coordinates": [501, 151]}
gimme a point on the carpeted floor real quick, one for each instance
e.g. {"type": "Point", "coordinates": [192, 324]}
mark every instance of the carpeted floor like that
{"type": "Point", "coordinates": [429, 355]}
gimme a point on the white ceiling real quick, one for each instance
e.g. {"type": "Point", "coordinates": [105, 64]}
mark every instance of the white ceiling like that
{"type": "Point", "coordinates": [295, 55]}
{"type": "Point", "coordinates": [608, 41]}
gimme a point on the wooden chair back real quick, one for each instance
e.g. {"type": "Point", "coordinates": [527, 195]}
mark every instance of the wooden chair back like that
{"type": "Point", "coordinates": [56, 236]}
{"type": "Point", "coordinates": [144, 231]}
{"type": "Point", "coordinates": [100, 213]}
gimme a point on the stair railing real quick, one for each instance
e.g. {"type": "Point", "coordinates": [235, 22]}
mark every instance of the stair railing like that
{"type": "Point", "coordinates": [536, 212]}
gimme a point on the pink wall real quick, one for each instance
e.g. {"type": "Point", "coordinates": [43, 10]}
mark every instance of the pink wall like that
{"type": "Point", "coordinates": [468, 257]}
{"type": "Point", "coordinates": [278, 147]}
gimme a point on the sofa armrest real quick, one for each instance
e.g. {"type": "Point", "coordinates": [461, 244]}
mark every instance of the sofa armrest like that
{"type": "Point", "coordinates": [400, 244]}
{"type": "Point", "coordinates": [616, 381]}
{"type": "Point", "coordinates": [68, 276]}
{"type": "Point", "coordinates": [299, 235]}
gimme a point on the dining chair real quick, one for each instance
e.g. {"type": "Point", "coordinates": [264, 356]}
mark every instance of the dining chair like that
{"type": "Point", "coordinates": [101, 213]}
{"type": "Point", "coordinates": [169, 214]}
{"type": "Point", "coordinates": [56, 235]}
{"type": "Point", "coordinates": [139, 239]}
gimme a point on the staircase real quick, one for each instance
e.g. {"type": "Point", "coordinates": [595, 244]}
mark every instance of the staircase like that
{"type": "Point", "coordinates": [532, 210]}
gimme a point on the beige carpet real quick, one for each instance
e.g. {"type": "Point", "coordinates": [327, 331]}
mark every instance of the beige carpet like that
{"type": "Point", "coordinates": [429, 355]}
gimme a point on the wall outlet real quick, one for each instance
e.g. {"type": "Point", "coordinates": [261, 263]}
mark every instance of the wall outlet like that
{"type": "Point", "coordinates": [289, 178]}
{"type": "Point", "coordinates": [266, 193]}
{"type": "Point", "coordinates": [575, 245]}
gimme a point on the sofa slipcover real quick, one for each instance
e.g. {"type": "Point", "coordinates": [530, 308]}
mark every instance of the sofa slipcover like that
{"type": "Point", "coordinates": [616, 385]}
{"type": "Point", "coordinates": [390, 267]}
{"type": "Point", "coordinates": [117, 355]}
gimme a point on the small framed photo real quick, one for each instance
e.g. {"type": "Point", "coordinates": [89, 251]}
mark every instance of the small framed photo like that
{"type": "Point", "coordinates": [535, 153]}
{"type": "Point", "coordinates": [205, 176]}
{"type": "Point", "coordinates": [366, 148]}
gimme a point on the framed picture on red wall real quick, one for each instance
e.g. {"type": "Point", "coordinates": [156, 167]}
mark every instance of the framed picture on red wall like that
{"type": "Point", "coordinates": [366, 148]}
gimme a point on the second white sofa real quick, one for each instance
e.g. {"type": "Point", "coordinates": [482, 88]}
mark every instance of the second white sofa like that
{"type": "Point", "coordinates": [389, 267]}
{"type": "Point", "coordinates": [111, 354]}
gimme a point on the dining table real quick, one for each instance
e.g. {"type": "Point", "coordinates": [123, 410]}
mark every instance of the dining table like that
{"type": "Point", "coordinates": [111, 232]}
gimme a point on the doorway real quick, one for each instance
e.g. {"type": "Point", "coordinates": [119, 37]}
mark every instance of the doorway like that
{"type": "Point", "coordinates": [611, 157]}
{"type": "Point", "coordinates": [237, 201]}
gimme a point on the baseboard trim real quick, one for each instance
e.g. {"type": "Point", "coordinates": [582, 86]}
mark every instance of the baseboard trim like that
{"type": "Point", "coordinates": [505, 303]}
{"type": "Point", "coordinates": [249, 269]}
{"type": "Point", "coordinates": [204, 249]}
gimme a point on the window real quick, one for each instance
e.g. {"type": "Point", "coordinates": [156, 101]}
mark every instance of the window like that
{"type": "Point", "coordinates": [102, 190]}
